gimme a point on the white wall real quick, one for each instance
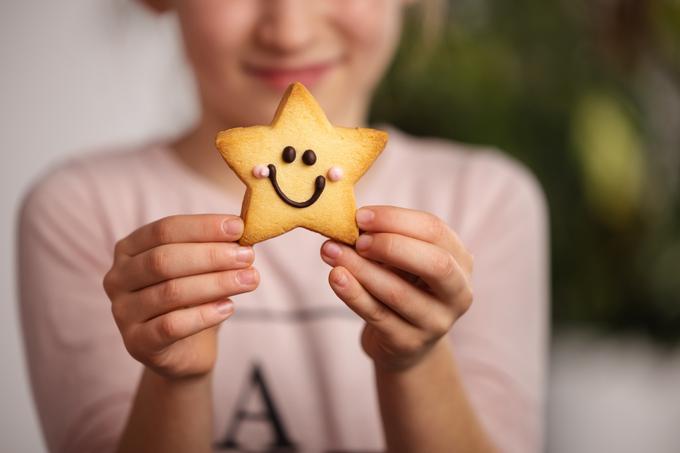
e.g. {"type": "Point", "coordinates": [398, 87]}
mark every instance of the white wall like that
{"type": "Point", "coordinates": [74, 75]}
{"type": "Point", "coordinates": [613, 395]}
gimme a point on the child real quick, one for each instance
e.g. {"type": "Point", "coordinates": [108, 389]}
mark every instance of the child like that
{"type": "Point", "coordinates": [386, 352]}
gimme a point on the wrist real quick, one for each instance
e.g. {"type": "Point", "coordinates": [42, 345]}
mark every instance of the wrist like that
{"type": "Point", "coordinates": [176, 393]}
{"type": "Point", "coordinates": [169, 415]}
{"type": "Point", "coordinates": [439, 353]}
{"type": "Point", "coordinates": [178, 382]}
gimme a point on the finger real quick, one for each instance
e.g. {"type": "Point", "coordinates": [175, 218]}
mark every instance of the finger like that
{"type": "Point", "coordinates": [371, 310]}
{"type": "Point", "coordinates": [416, 224]}
{"type": "Point", "coordinates": [411, 303]}
{"type": "Point", "coordinates": [153, 301]}
{"type": "Point", "coordinates": [178, 260]}
{"type": "Point", "coordinates": [433, 264]}
{"type": "Point", "coordinates": [162, 331]}
{"type": "Point", "coordinates": [182, 228]}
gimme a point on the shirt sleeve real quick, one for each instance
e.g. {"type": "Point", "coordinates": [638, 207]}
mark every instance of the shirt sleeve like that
{"type": "Point", "coordinates": [82, 378]}
{"type": "Point", "coordinates": [501, 342]}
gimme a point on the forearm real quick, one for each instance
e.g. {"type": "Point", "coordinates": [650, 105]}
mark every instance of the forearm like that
{"type": "Point", "coordinates": [170, 415]}
{"type": "Point", "coordinates": [425, 408]}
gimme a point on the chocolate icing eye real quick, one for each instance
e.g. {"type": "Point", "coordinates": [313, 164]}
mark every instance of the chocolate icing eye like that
{"type": "Point", "coordinates": [309, 157]}
{"type": "Point", "coordinates": [288, 154]}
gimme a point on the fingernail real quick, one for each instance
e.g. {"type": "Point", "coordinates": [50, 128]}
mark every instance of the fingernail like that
{"type": "Point", "coordinates": [331, 249]}
{"type": "Point", "coordinates": [232, 226]}
{"type": "Point", "coordinates": [339, 278]}
{"type": "Point", "coordinates": [364, 216]}
{"type": "Point", "coordinates": [363, 242]}
{"type": "Point", "coordinates": [244, 254]}
{"type": "Point", "coordinates": [225, 307]}
{"type": "Point", "coordinates": [246, 277]}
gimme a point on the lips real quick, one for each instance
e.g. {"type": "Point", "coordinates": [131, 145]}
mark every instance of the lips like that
{"type": "Point", "coordinates": [280, 76]}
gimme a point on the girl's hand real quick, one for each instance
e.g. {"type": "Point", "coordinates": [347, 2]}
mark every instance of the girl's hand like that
{"type": "Point", "coordinates": [409, 279]}
{"type": "Point", "coordinates": [169, 287]}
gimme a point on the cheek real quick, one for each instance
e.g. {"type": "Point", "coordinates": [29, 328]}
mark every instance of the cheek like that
{"type": "Point", "coordinates": [370, 30]}
{"type": "Point", "coordinates": [214, 31]}
{"type": "Point", "coordinates": [371, 26]}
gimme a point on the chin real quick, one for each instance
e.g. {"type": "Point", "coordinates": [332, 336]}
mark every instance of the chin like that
{"type": "Point", "coordinates": [253, 102]}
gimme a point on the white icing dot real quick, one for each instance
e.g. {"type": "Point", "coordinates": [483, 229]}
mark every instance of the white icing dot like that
{"type": "Point", "coordinates": [260, 171]}
{"type": "Point", "coordinates": [335, 174]}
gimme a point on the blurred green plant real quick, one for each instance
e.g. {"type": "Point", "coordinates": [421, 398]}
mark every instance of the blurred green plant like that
{"type": "Point", "coordinates": [610, 153]}
{"type": "Point", "coordinates": [587, 95]}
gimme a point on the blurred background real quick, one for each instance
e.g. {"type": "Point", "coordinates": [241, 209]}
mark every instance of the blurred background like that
{"type": "Point", "coordinates": [585, 93]}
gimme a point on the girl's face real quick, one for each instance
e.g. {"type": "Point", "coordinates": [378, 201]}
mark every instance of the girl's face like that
{"type": "Point", "coordinates": [246, 52]}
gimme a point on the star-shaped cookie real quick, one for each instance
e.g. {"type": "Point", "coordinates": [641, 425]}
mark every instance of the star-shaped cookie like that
{"type": "Point", "coordinates": [300, 170]}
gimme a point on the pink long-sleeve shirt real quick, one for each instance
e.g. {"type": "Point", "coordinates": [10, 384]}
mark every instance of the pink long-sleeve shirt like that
{"type": "Point", "coordinates": [291, 351]}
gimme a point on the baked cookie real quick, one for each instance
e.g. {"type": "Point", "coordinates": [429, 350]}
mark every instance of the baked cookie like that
{"type": "Point", "coordinates": [300, 170]}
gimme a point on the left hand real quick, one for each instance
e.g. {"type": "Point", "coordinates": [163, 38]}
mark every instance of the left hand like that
{"type": "Point", "coordinates": [408, 277]}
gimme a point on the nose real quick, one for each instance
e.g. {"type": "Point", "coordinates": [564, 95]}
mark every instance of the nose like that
{"type": "Point", "coordinates": [287, 25]}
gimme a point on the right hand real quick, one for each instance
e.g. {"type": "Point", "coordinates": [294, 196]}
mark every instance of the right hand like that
{"type": "Point", "coordinates": [170, 285]}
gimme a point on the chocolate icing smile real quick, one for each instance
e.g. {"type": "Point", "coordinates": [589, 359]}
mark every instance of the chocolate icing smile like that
{"type": "Point", "coordinates": [319, 184]}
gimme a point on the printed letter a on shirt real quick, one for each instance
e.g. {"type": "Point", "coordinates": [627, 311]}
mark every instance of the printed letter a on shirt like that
{"type": "Point", "coordinates": [256, 383]}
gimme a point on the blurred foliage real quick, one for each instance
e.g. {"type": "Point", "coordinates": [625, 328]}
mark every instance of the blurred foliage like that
{"type": "Point", "coordinates": [587, 95]}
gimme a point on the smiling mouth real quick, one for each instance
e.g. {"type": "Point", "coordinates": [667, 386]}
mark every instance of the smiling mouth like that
{"type": "Point", "coordinates": [319, 185]}
{"type": "Point", "coordinates": [280, 76]}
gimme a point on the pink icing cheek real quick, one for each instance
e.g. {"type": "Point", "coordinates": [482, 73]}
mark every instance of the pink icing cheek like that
{"type": "Point", "coordinates": [335, 174]}
{"type": "Point", "coordinates": [260, 171]}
